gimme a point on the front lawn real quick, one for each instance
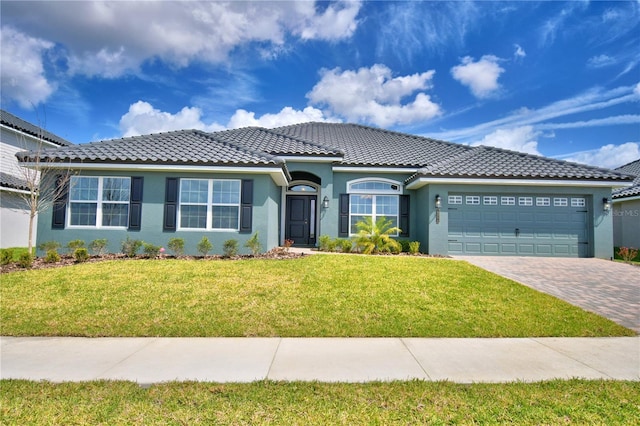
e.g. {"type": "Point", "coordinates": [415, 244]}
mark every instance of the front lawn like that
{"type": "Point", "coordinates": [313, 296]}
{"type": "Point", "coordinates": [574, 402]}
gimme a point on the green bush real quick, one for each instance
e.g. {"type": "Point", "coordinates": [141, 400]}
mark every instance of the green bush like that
{"type": "Point", "coordinates": [6, 256]}
{"type": "Point", "coordinates": [25, 260]}
{"type": "Point", "coordinates": [345, 245]}
{"type": "Point", "coordinates": [99, 246]}
{"type": "Point", "coordinates": [52, 256]}
{"type": "Point", "coordinates": [230, 248]}
{"type": "Point", "coordinates": [414, 247]}
{"type": "Point", "coordinates": [323, 242]}
{"type": "Point", "coordinates": [254, 245]}
{"type": "Point", "coordinates": [130, 247]}
{"type": "Point", "coordinates": [176, 245]}
{"type": "Point", "coordinates": [73, 245]}
{"type": "Point", "coordinates": [81, 254]}
{"type": "Point", "coordinates": [405, 245]}
{"type": "Point", "coordinates": [47, 246]}
{"type": "Point", "coordinates": [376, 237]}
{"type": "Point", "coordinates": [151, 250]}
{"type": "Point", "coordinates": [204, 246]}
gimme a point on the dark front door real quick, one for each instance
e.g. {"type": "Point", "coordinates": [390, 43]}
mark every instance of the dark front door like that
{"type": "Point", "coordinates": [300, 222]}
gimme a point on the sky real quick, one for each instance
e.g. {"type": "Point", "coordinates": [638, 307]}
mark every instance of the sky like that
{"type": "Point", "coordinates": [559, 79]}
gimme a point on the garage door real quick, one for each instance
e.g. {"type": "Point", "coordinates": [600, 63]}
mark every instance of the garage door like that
{"type": "Point", "coordinates": [518, 225]}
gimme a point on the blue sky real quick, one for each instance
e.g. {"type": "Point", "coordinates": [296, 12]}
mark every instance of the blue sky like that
{"type": "Point", "coordinates": [560, 79]}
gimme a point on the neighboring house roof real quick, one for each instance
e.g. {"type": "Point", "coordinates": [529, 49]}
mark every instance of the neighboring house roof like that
{"type": "Point", "coordinates": [348, 145]}
{"type": "Point", "coordinates": [633, 169]}
{"type": "Point", "coordinates": [10, 120]}
{"type": "Point", "coordinates": [13, 182]}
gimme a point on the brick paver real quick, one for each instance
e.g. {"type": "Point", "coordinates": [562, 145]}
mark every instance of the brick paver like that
{"type": "Point", "coordinates": [610, 289]}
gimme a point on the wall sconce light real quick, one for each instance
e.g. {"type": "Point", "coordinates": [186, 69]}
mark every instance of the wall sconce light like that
{"type": "Point", "coordinates": [606, 204]}
{"type": "Point", "coordinates": [438, 206]}
{"type": "Point", "coordinates": [325, 202]}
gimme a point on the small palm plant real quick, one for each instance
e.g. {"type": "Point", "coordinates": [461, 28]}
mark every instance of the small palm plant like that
{"type": "Point", "coordinates": [376, 237]}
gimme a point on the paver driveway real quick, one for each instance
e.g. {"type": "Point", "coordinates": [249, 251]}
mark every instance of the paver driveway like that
{"type": "Point", "coordinates": [610, 289]}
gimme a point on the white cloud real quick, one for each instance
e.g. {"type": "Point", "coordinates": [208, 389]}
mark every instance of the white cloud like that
{"type": "Point", "coordinates": [481, 77]}
{"type": "Point", "coordinates": [519, 53]}
{"type": "Point", "coordinates": [522, 139]}
{"type": "Point", "coordinates": [601, 61]}
{"type": "Point", "coordinates": [287, 116]}
{"type": "Point", "coordinates": [23, 77]}
{"type": "Point", "coordinates": [142, 118]}
{"type": "Point", "coordinates": [636, 90]}
{"type": "Point", "coordinates": [373, 95]}
{"type": "Point", "coordinates": [609, 156]}
{"type": "Point", "coordinates": [110, 39]}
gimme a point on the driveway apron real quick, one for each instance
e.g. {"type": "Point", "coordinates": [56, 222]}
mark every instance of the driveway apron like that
{"type": "Point", "coordinates": [610, 289]}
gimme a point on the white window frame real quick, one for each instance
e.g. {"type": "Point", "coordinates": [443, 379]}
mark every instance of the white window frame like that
{"type": "Point", "coordinates": [454, 199]}
{"type": "Point", "coordinates": [560, 202]}
{"type": "Point", "coordinates": [472, 200]}
{"type": "Point", "coordinates": [209, 204]}
{"type": "Point", "coordinates": [543, 201]}
{"type": "Point", "coordinates": [395, 189]}
{"type": "Point", "coordinates": [578, 202]}
{"type": "Point", "coordinates": [490, 200]}
{"type": "Point", "coordinates": [98, 201]}
{"type": "Point", "coordinates": [508, 201]}
{"type": "Point", "coordinates": [525, 201]}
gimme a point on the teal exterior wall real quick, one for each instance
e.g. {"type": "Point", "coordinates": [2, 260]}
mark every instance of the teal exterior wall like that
{"type": "Point", "coordinates": [265, 216]}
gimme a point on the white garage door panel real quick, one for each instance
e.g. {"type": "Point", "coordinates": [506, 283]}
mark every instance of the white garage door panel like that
{"type": "Point", "coordinates": [540, 229]}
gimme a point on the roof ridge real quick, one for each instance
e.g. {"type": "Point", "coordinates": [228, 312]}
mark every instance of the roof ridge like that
{"type": "Point", "coordinates": [315, 144]}
{"type": "Point", "coordinates": [406, 135]}
{"type": "Point", "coordinates": [266, 155]}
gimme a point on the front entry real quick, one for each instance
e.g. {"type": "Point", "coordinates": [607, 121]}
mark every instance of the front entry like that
{"type": "Point", "coordinates": [300, 220]}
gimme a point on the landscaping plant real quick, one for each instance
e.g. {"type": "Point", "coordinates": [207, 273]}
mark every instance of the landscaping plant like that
{"type": "Point", "coordinates": [81, 254]}
{"type": "Point", "coordinates": [99, 246]}
{"type": "Point", "coordinates": [25, 260]}
{"type": "Point", "coordinates": [51, 256]}
{"type": "Point", "coordinates": [176, 245]}
{"type": "Point", "coordinates": [130, 247]}
{"type": "Point", "coordinates": [230, 248]}
{"type": "Point", "coordinates": [376, 237]}
{"type": "Point", "coordinates": [73, 245]}
{"type": "Point", "coordinates": [6, 256]}
{"type": "Point", "coordinates": [49, 245]}
{"type": "Point", "coordinates": [204, 246]}
{"type": "Point", "coordinates": [628, 254]}
{"type": "Point", "coordinates": [254, 245]}
{"type": "Point", "coordinates": [151, 250]}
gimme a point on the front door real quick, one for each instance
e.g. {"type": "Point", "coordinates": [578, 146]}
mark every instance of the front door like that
{"type": "Point", "coordinates": [300, 222]}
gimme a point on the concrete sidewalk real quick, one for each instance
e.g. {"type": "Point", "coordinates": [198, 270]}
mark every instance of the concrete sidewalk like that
{"type": "Point", "coordinates": [153, 360]}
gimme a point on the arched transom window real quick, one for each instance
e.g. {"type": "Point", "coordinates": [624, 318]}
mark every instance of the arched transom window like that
{"type": "Point", "coordinates": [374, 198]}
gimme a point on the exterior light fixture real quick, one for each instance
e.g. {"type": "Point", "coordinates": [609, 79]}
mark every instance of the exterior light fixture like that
{"type": "Point", "coordinates": [606, 204]}
{"type": "Point", "coordinates": [438, 206]}
{"type": "Point", "coordinates": [325, 202]}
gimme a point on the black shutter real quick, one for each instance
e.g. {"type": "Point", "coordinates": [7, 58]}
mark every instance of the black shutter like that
{"type": "Point", "coordinates": [404, 216]}
{"type": "Point", "coordinates": [170, 204]}
{"type": "Point", "coordinates": [61, 189]}
{"type": "Point", "coordinates": [246, 206]}
{"type": "Point", "coordinates": [343, 224]}
{"type": "Point", "coordinates": [135, 204]}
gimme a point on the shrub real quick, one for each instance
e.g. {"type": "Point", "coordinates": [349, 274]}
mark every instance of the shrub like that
{"type": "Point", "coordinates": [230, 248]}
{"type": "Point", "coordinates": [376, 237]}
{"type": "Point", "coordinates": [99, 246]}
{"type": "Point", "coordinates": [405, 245]}
{"type": "Point", "coordinates": [287, 245]}
{"type": "Point", "coordinates": [47, 246]}
{"type": "Point", "coordinates": [345, 245]}
{"type": "Point", "coordinates": [151, 250]}
{"type": "Point", "coordinates": [627, 254]}
{"type": "Point", "coordinates": [130, 247]}
{"type": "Point", "coordinates": [253, 244]}
{"type": "Point", "coordinates": [73, 245]}
{"type": "Point", "coordinates": [81, 254]}
{"type": "Point", "coordinates": [414, 247]}
{"type": "Point", "coordinates": [323, 242]}
{"type": "Point", "coordinates": [25, 260]}
{"type": "Point", "coordinates": [6, 256]}
{"type": "Point", "coordinates": [52, 256]}
{"type": "Point", "coordinates": [204, 246]}
{"type": "Point", "coordinates": [176, 245]}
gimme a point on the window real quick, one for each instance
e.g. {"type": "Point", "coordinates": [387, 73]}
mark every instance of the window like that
{"type": "Point", "coordinates": [508, 201]}
{"type": "Point", "coordinates": [473, 200]}
{"type": "Point", "coordinates": [375, 198]}
{"type": "Point", "coordinates": [525, 201]}
{"type": "Point", "coordinates": [560, 202]}
{"type": "Point", "coordinates": [455, 199]}
{"type": "Point", "coordinates": [99, 201]}
{"type": "Point", "coordinates": [578, 202]}
{"type": "Point", "coordinates": [212, 204]}
{"type": "Point", "coordinates": [490, 200]}
{"type": "Point", "coordinates": [543, 201]}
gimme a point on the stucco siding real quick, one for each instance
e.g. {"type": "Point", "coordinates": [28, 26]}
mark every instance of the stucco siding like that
{"type": "Point", "coordinates": [626, 223]}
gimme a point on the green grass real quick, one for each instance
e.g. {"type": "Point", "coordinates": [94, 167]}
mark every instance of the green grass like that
{"type": "Point", "coordinates": [315, 296]}
{"type": "Point", "coordinates": [574, 402]}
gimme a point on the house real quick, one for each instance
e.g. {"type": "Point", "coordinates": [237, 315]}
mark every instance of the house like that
{"type": "Point", "coordinates": [18, 135]}
{"type": "Point", "coordinates": [626, 209]}
{"type": "Point", "coordinates": [301, 181]}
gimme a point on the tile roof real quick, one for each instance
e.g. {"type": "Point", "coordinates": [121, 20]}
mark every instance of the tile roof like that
{"type": "Point", "coordinates": [490, 162]}
{"type": "Point", "coordinates": [633, 169]}
{"type": "Point", "coordinates": [10, 181]}
{"type": "Point", "coordinates": [347, 144]}
{"type": "Point", "coordinates": [17, 123]}
{"type": "Point", "coordinates": [182, 147]}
